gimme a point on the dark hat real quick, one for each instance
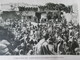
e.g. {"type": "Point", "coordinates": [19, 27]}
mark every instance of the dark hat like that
{"type": "Point", "coordinates": [46, 36]}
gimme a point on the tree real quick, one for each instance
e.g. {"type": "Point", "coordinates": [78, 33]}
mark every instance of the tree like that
{"type": "Point", "coordinates": [49, 15]}
{"type": "Point", "coordinates": [59, 7]}
{"type": "Point", "coordinates": [50, 6]}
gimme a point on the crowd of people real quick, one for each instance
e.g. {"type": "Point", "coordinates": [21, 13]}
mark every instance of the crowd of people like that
{"type": "Point", "coordinates": [53, 37]}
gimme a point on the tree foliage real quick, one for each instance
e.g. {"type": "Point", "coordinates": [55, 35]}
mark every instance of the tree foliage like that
{"type": "Point", "coordinates": [60, 7]}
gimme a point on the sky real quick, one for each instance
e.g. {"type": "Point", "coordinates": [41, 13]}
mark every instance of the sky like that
{"type": "Point", "coordinates": [38, 2]}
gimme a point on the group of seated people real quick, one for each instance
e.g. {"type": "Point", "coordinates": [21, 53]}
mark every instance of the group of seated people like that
{"type": "Point", "coordinates": [55, 38]}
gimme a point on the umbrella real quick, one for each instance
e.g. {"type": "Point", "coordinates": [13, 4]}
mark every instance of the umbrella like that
{"type": "Point", "coordinates": [3, 49]}
{"type": "Point", "coordinates": [5, 42]}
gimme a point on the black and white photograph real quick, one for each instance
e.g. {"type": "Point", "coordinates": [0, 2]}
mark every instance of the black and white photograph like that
{"type": "Point", "coordinates": [39, 27]}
